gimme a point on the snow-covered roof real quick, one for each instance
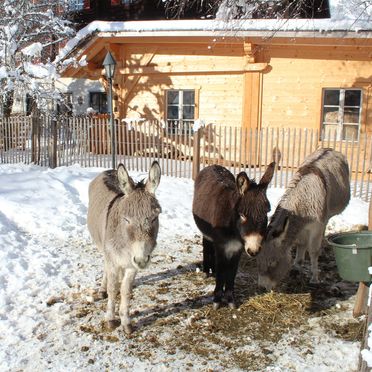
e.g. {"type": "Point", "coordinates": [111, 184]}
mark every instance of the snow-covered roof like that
{"type": "Point", "coordinates": [348, 19]}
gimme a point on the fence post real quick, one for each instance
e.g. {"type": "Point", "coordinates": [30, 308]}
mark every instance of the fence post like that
{"type": "Point", "coordinates": [196, 153]}
{"type": "Point", "coordinates": [35, 127]}
{"type": "Point", "coordinates": [52, 148]}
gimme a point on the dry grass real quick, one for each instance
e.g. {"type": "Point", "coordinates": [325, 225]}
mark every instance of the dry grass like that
{"type": "Point", "coordinates": [175, 316]}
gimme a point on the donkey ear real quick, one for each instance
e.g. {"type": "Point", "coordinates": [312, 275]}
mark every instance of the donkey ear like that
{"type": "Point", "coordinates": [279, 226]}
{"type": "Point", "coordinates": [154, 177]}
{"type": "Point", "coordinates": [242, 181]}
{"type": "Point", "coordinates": [268, 175]}
{"type": "Point", "coordinates": [126, 184]}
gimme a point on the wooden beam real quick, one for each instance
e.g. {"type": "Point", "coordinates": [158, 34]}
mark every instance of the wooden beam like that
{"type": "Point", "coordinates": [195, 69]}
{"type": "Point", "coordinates": [94, 49]}
{"type": "Point", "coordinates": [249, 52]}
{"type": "Point", "coordinates": [256, 67]}
{"type": "Point", "coordinates": [251, 100]}
{"type": "Point", "coordinates": [252, 90]}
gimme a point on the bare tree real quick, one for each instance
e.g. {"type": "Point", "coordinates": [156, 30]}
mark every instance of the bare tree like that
{"type": "Point", "coordinates": [357, 11]}
{"type": "Point", "coordinates": [30, 32]}
{"type": "Point", "coordinates": [248, 9]}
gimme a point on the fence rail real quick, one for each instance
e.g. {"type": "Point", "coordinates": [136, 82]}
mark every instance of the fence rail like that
{"type": "Point", "coordinates": [180, 151]}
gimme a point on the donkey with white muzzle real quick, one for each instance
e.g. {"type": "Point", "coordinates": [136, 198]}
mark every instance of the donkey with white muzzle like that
{"type": "Point", "coordinates": [232, 216]}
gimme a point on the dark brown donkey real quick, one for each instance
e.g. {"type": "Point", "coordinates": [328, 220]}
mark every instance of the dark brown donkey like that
{"type": "Point", "coordinates": [231, 214]}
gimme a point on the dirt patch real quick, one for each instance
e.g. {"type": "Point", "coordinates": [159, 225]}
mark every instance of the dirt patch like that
{"type": "Point", "coordinates": [172, 313]}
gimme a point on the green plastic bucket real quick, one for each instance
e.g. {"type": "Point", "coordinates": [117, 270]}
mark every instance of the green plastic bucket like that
{"type": "Point", "coordinates": [353, 253]}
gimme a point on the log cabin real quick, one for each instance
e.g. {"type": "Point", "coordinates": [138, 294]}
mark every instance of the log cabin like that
{"type": "Point", "coordinates": [258, 73]}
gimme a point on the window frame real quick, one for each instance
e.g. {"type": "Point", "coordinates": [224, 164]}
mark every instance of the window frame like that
{"type": "Point", "coordinates": [101, 94]}
{"type": "Point", "coordinates": [340, 124]}
{"type": "Point", "coordinates": [184, 125]}
{"type": "Point", "coordinates": [76, 5]}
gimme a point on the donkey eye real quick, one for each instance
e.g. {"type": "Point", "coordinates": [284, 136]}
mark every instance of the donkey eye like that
{"type": "Point", "coordinates": [154, 219]}
{"type": "Point", "coordinates": [126, 220]}
{"type": "Point", "coordinates": [273, 264]}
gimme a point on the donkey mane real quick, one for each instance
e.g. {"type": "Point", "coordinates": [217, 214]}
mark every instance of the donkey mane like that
{"type": "Point", "coordinates": [309, 167]}
{"type": "Point", "coordinates": [288, 201]}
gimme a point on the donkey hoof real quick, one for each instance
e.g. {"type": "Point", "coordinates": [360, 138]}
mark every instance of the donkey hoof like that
{"type": "Point", "coordinates": [216, 305]}
{"type": "Point", "coordinates": [128, 329]}
{"type": "Point", "coordinates": [101, 295]}
{"type": "Point", "coordinates": [231, 305]}
{"type": "Point", "coordinates": [112, 324]}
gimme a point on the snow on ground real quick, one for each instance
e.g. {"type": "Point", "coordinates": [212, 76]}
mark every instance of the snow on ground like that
{"type": "Point", "coordinates": [46, 255]}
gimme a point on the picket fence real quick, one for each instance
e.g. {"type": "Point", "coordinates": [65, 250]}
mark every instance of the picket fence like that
{"type": "Point", "coordinates": [180, 150]}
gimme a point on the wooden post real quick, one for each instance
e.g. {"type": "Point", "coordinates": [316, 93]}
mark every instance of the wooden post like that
{"type": "Point", "coordinates": [35, 140]}
{"type": "Point", "coordinates": [361, 306]}
{"type": "Point", "coordinates": [196, 154]}
{"type": "Point", "coordinates": [53, 143]}
{"type": "Point", "coordinates": [363, 366]}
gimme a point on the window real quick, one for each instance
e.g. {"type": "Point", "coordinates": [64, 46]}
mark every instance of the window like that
{"type": "Point", "coordinates": [76, 5]}
{"type": "Point", "coordinates": [30, 104]}
{"type": "Point", "coordinates": [180, 110]}
{"type": "Point", "coordinates": [98, 102]}
{"type": "Point", "coordinates": [341, 113]}
{"type": "Point", "coordinates": [123, 2]}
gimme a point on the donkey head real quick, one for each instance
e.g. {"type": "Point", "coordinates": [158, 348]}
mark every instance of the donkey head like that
{"type": "Point", "coordinates": [253, 208]}
{"type": "Point", "coordinates": [275, 260]}
{"type": "Point", "coordinates": [138, 214]}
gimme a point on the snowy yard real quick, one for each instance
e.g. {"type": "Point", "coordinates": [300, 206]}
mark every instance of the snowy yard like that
{"type": "Point", "coordinates": [50, 272]}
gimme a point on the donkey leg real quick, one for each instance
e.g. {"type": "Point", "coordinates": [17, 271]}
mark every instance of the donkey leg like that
{"type": "Point", "coordinates": [314, 252]}
{"type": "Point", "coordinates": [112, 290]}
{"type": "Point", "coordinates": [125, 295]}
{"type": "Point", "coordinates": [102, 293]}
{"type": "Point", "coordinates": [208, 257]}
{"type": "Point", "coordinates": [300, 256]}
{"type": "Point", "coordinates": [220, 278]}
{"type": "Point", "coordinates": [231, 271]}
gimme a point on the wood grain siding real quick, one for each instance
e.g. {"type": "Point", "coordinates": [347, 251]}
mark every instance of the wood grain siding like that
{"type": "Point", "coordinates": [248, 82]}
{"type": "Point", "coordinates": [292, 90]}
{"type": "Point", "coordinates": [219, 97]}
{"type": "Point", "coordinates": [214, 70]}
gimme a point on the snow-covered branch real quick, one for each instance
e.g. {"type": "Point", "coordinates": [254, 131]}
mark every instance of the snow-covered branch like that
{"type": "Point", "coordinates": [29, 36]}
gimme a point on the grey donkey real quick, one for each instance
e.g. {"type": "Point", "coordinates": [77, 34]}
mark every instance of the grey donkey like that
{"type": "Point", "coordinates": [319, 190]}
{"type": "Point", "coordinates": [123, 222]}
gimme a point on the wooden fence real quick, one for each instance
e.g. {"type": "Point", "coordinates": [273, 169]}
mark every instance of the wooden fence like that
{"type": "Point", "coordinates": [180, 151]}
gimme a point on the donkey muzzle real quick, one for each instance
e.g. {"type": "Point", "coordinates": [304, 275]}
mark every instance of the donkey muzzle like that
{"type": "Point", "coordinates": [141, 262]}
{"type": "Point", "coordinates": [265, 282]}
{"type": "Point", "coordinates": [252, 244]}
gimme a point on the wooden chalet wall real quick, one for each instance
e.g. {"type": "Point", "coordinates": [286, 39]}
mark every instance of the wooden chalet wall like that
{"type": "Point", "coordinates": [244, 82]}
{"type": "Point", "coordinates": [292, 90]}
{"type": "Point", "coordinates": [213, 71]}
